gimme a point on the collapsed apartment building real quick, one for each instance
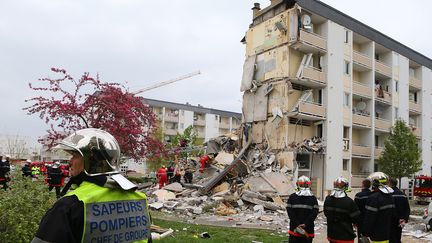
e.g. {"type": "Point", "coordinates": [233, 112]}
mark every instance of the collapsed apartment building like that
{"type": "Point", "coordinates": [321, 91]}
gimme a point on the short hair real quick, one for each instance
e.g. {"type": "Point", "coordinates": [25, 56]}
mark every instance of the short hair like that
{"type": "Point", "coordinates": [393, 182]}
{"type": "Point", "coordinates": [366, 183]}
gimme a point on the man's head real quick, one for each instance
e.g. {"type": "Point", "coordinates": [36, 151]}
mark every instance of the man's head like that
{"type": "Point", "coordinates": [392, 182]}
{"type": "Point", "coordinates": [93, 151]}
{"type": "Point", "coordinates": [366, 183]}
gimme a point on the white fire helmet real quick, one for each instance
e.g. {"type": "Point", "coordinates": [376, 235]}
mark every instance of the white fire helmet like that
{"type": "Point", "coordinates": [99, 149]}
{"type": "Point", "coordinates": [380, 180]}
{"type": "Point", "coordinates": [303, 182]}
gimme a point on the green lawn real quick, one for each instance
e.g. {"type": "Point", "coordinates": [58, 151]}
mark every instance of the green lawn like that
{"type": "Point", "coordinates": [217, 234]}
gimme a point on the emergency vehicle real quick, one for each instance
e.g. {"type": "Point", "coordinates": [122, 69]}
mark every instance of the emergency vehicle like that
{"type": "Point", "coordinates": [422, 190]}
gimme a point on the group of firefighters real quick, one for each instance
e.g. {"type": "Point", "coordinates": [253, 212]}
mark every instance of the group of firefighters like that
{"type": "Point", "coordinates": [54, 174]}
{"type": "Point", "coordinates": [378, 212]}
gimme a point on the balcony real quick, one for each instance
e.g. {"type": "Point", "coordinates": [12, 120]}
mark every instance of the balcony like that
{"type": "Point", "coordinates": [224, 125]}
{"type": "Point", "coordinates": [362, 120]}
{"type": "Point", "coordinates": [346, 148]}
{"type": "Point", "coordinates": [315, 75]}
{"type": "Point", "coordinates": [169, 118]}
{"type": "Point", "coordinates": [383, 69]}
{"type": "Point", "coordinates": [357, 179]}
{"type": "Point", "coordinates": [170, 131]}
{"type": "Point", "coordinates": [414, 82]}
{"type": "Point", "coordinates": [364, 62]}
{"type": "Point", "coordinates": [414, 107]}
{"type": "Point", "coordinates": [199, 122]}
{"type": "Point", "coordinates": [310, 43]}
{"type": "Point", "coordinates": [383, 97]}
{"type": "Point", "coordinates": [378, 152]}
{"type": "Point", "coordinates": [382, 125]}
{"type": "Point", "coordinates": [362, 151]}
{"type": "Point", "coordinates": [416, 130]}
{"type": "Point", "coordinates": [362, 90]}
{"type": "Point", "coordinates": [310, 111]}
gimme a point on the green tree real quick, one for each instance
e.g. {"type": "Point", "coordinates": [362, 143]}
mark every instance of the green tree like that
{"type": "Point", "coordinates": [401, 155]}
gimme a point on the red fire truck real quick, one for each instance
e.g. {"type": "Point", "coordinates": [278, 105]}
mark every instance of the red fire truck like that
{"type": "Point", "coordinates": [422, 190]}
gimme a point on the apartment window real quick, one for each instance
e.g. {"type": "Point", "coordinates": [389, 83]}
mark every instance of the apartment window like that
{"type": "Point", "coordinates": [182, 112]}
{"type": "Point", "coordinates": [396, 113]}
{"type": "Point", "coordinates": [181, 125]}
{"type": "Point", "coordinates": [346, 36]}
{"type": "Point", "coordinates": [347, 67]}
{"type": "Point", "coordinates": [345, 164]}
{"type": "Point", "coordinates": [396, 86]}
{"type": "Point", "coordinates": [346, 99]}
{"type": "Point", "coordinates": [319, 130]}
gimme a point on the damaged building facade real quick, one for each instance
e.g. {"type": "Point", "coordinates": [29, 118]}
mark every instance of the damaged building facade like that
{"type": "Point", "coordinates": [327, 88]}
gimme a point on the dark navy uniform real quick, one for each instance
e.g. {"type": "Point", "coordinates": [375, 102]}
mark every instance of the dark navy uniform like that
{"type": "Point", "coordinates": [302, 210]}
{"type": "Point", "coordinates": [402, 212]}
{"type": "Point", "coordinates": [361, 199]}
{"type": "Point", "coordinates": [341, 214]}
{"type": "Point", "coordinates": [379, 213]}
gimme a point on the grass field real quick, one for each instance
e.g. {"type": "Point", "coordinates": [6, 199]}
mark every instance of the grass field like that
{"type": "Point", "coordinates": [217, 234]}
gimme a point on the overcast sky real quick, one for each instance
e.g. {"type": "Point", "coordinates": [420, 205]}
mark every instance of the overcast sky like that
{"type": "Point", "coordinates": [141, 42]}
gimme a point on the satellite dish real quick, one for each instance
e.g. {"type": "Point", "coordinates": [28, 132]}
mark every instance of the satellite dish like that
{"type": "Point", "coordinates": [361, 105]}
{"type": "Point", "coordinates": [306, 21]}
{"type": "Point", "coordinates": [176, 112]}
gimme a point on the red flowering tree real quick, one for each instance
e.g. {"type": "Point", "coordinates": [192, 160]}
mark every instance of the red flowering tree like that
{"type": "Point", "coordinates": [67, 105]}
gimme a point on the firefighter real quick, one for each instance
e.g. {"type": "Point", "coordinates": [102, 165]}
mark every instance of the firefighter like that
{"type": "Point", "coordinates": [360, 199]}
{"type": "Point", "coordinates": [105, 206]}
{"type": "Point", "coordinates": [55, 178]}
{"type": "Point", "coordinates": [26, 171]}
{"type": "Point", "coordinates": [379, 209]}
{"type": "Point", "coordinates": [4, 172]}
{"type": "Point", "coordinates": [302, 208]}
{"type": "Point", "coordinates": [341, 212]}
{"type": "Point", "coordinates": [162, 176]}
{"type": "Point", "coordinates": [402, 212]}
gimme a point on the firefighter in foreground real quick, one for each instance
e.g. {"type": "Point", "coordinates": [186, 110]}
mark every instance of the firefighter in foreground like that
{"type": "Point", "coordinates": [361, 199]}
{"type": "Point", "coordinates": [402, 209]}
{"type": "Point", "coordinates": [379, 209]}
{"type": "Point", "coordinates": [341, 212]}
{"type": "Point", "coordinates": [302, 208]}
{"type": "Point", "coordinates": [104, 207]}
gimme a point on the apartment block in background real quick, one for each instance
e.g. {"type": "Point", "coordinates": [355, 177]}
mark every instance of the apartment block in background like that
{"type": "Point", "coordinates": [311, 70]}
{"type": "Point", "coordinates": [174, 118]}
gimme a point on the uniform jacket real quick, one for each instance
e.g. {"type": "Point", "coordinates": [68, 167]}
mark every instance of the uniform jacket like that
{"type": "Point", "coordinates": [341, 214]}
{"type": "Point", "coordinates": [401, 204]}
{"type": "Point", "coordinates": [302, 210]}
{"type": "Point", "coordinates": [379, 212]}
{"type": "Point", "coordinates": [361, 200]}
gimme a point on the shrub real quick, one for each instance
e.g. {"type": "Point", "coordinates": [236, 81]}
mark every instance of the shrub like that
{"type": "Point", "coordinates": [21, 209]}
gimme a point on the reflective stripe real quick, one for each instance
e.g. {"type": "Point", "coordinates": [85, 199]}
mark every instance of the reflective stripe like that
{"type": "Point", "coordinates": [352, 215]}
{"type": "Point", "coordinates": [371, 208]}
{"type": "Point", "coordinates": [299, 235]}
{"type": "Point", "coordinates": [399, 196]}
{"type": "Point", "coordinates": [340, 210]}
{"type": "Point", "coordinates": [316, 206]}
{"type": "Point", "coordinates": [300, 206]}
{"type": "Point", "coordinates": [387, 206]}
{"type": "Point", "coordinates": [364, 197]}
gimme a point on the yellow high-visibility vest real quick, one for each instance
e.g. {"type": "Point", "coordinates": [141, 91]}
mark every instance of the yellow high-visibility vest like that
{"type": "Point", "coordinates": [113, 215]}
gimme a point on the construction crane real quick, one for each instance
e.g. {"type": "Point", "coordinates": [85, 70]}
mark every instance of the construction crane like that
{"type": "Point", "coordinates": [159, 84]}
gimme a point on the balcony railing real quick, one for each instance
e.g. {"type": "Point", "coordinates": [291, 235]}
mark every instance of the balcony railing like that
{"type": "Point", "coordinates": [224, 125]}
{"type": "Point", "coordinates": [414, 82]}
{"type": "Point", "coordinates": [199, 122]}
{"type": "Point", "coordinates": [361, 89]}
{"type": "Point", "coordinates": [383, 96]}
{"type": "Point", "coordinates": [382, 124]}
{"type": "Point", "coordinates": [414, 107]}
{"type": "Point", "coordinates": [361, 150]}
{"type": "Point", "coordinates": [357, 179]}
{"type": "Point", "coordinates": [169, 118]}
{"type": "Point", "coordinates": [362, 59]}
{"type": "Point", "coordinates": [313, 39]}
{"type": "Point", "coordinates": [314, 74]}
{"type": "Point", "coordinates": [378, 151]}
{"type": "Point", "coordinates": [170, 131]}
{"type": "Point", "coordinates": [362, 119]}
{"type": "Point", "coordinates": [383, 68]}
{"type": "Point", "coordinates": [311, 108]}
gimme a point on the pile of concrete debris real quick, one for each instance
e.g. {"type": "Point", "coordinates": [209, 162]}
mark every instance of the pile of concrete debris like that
{"type": "Point", "coordinates": [254, 181]}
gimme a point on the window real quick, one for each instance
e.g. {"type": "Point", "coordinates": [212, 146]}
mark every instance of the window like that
{"type": "Point", "coordinates": [216, 117]}
{"type": "Point", "coordinates": [182, 112]}
{"type": "Point", "coordinates": [346, 36]}
{"type": "Point", "coordinates": [396, 113]}
{"type": "Point", "coordinates": [345, 164]}
{"type": "Point", "coordinates": [396, 86]}
{"type": "Point", "coordinates": [347, 67]}
{"type": "Point", "coordinates": [181, 125]}
{"type": "Point", "coordinates": [346, 100]}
